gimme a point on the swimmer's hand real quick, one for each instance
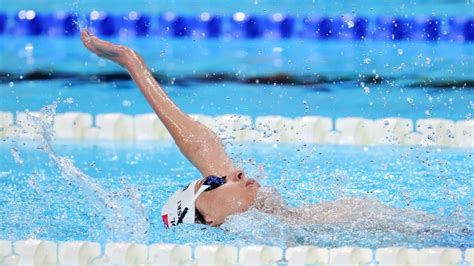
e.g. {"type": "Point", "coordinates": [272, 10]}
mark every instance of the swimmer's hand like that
{"type": "Point", "coordinates": [119, 54]}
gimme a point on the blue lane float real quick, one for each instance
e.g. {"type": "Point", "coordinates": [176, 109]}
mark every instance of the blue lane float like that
{"type": "Point", "coordinates": [242, 25]}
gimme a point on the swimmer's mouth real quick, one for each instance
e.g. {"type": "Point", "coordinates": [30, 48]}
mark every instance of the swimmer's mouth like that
{"type": "Point", "coordinates": [251, 182]}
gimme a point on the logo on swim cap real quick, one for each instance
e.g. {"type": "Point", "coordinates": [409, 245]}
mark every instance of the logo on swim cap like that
{"type": "Point", "coordinates": [180, 207]}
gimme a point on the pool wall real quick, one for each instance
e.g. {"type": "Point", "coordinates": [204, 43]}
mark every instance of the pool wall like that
{"type": "Point", "coordinates": [41, 252]}
{"type": "Point", "coordinates": [265, 129]}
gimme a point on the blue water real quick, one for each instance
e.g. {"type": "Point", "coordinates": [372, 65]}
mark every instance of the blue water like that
{"type": "Point", "coordinates": [36, 201]}
{"type": "Point", "coordinates": [408, 88]}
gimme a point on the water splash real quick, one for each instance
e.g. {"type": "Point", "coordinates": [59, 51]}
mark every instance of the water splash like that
{"type": "Point", "coordinates": [344, 222]}
{"type": "Point", "coordinates": [123, 213]}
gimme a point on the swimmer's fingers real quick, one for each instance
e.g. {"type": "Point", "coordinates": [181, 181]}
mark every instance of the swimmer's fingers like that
{"type": "Point", "coordinates": [103, 48]}
{"type": "Point", "coordinates": [86, 39]}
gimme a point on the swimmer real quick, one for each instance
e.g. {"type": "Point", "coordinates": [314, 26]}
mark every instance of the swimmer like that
{"type": "Point", "coordinates": [225, 189]}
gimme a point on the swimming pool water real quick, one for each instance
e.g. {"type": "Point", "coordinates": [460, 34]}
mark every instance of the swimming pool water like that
{"type": "Point", "coordinates": [413, 80]}
{"type": "Point", "coordinates": [39, 202]}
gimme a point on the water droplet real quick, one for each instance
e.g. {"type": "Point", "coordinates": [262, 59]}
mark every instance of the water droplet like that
{"type": "Point", "coordinates": [126, 103]}
{"type": "Point", "coordinates": [350, 24]}
{"type": "Point", "coordinates": [366, 90]}
{"type": "Point", "coordinates": [428, 60]}
{"type": "Point", "coordinates": [16, 156]}
{"type": "Point", "coordinates": [400, 51]}
{"type": "Point", "coordinates": [366, 61]}
{"type": "Point", "coordinates": [11, 84]}
{"type": "Point", "coordinates": [69, 100]}
{"type": "Point", "coordinates": [306, 106]}
{"type": "Point", "coordinates": [410, 100]}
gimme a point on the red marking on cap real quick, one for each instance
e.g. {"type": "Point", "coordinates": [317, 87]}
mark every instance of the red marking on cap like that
{"type": "Point", "coordinates": [165, 220]}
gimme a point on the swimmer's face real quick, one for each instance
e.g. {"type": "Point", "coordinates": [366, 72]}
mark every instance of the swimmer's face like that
{"type": "Point", "coordinates": [236, 195]}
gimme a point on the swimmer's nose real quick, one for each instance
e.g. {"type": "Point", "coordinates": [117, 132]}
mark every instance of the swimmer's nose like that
{"type": "Point", "coordinates": [237, 176]}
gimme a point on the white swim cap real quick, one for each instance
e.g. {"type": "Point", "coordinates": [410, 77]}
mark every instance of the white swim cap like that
{"type": "Point", "coordinates": [180, 207]}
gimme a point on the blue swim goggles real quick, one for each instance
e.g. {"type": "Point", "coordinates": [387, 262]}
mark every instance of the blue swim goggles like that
{"type": "Point", "coordinates": [213, 182]}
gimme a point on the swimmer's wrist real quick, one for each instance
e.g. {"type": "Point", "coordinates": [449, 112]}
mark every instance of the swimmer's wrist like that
{"type": "Point", "coordinates": [132, 60]}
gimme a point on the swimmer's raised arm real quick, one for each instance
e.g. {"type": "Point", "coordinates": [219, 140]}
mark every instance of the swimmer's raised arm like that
{"type": "Point", "coordinates": [197, 142]}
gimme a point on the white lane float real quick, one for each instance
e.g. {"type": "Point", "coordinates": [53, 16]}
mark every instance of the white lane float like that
{"type": "Point", "coordinates": [5, 250]}
{"type": "Point", "coordinates": [311, 129]}
{"type": "Point", "coordinates": [392, 131]}
{"type": "Point", "coordinates": [169, 254]}
{"type": "Point", "coordinates": [36, 252]}
{"type": "Point", "coordinates": [26, 128]}
{"type": "Point", "coordinates": [215, 255]}
{"type": "Point", "coordinates": [149, 127]}
{"type": "Point", "coordinates": [123, 254]}
{"type": "Point", "coordinates": [438, 256]}
{"type": "Point", "coordinates": [465, 133]}
{"type": "Point", "coordinates": [6, 124]}
{"type": "Point", "coordinates": [115, 126]}
{"type": "Point", "coordinates": [272, 129]}
{"type": "Point", "coordinates": [78, 253]}
{"type": "Point", "coordinates": [436, 131]}
{"type": "Point", "coordinates": [258, 255]}
{"type": "Point", "coordinates": [266, 129]}
{"type": "Point", "coordinates": [72, 125]}
{"type": "Point", "coordinates": [396, 256]}
{"type": "Point", "coordinates": [355, 130]}
{"type": "Point", "coordinates": [350, 256]}
{"type": "Point", "coordinates": [233, 126]}
{"type": "Point", "coordinates": [307, 255]}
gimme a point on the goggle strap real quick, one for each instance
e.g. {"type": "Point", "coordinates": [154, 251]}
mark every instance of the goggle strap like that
{"type": "Point", "coordinates": [199, 192]}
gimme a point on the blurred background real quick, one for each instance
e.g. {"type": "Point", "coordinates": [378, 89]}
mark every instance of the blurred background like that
{"type": "Point", "coordinates": [341, 58]}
